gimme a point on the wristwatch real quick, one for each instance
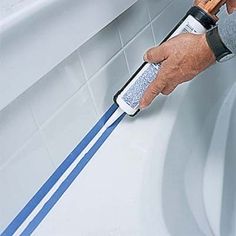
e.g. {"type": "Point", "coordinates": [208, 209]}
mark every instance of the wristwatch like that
{"type": "Point", "coordinates": [221, 52]}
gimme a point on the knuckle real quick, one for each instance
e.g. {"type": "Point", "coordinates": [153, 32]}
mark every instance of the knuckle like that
{"type": "Point", "coordinates": [166, 92]}
{"type": "Point", "coordinates": [154, 90]}
{"type": "Point", "coordinates": [157, 87]}
{"type": "Point", "coordinates": [166, 47]}
{"type": "Point", "coordinates": [160, 84]}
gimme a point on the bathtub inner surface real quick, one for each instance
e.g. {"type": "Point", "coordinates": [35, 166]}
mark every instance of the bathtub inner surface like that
{"type": "Point", "coordinates": [170, 171]}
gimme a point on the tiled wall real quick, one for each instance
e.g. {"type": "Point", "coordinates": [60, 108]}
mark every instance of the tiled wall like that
{"type": "Point", "coordinates": [42, 126]}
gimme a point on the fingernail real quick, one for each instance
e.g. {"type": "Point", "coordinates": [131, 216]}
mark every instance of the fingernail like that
{"type": "Point", "coordinates": [142, 104]}
{"type": "Point", "coordinates": [231, 10]}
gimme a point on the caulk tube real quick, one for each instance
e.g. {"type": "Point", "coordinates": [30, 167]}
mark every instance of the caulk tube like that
{"type": "Point", "coordinates": [196, 21]}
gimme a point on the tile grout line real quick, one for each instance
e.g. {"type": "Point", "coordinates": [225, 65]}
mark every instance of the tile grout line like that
{"type": "Point", "coordinates": [155, 18]}
{"type": "Point", "coordinates": [42, 136]}
{"type": "Point", "coordinates": [13, 156]}
{"type": "Point", "coordinates": [160, 13]}
{"type": "Point", "coordinates": [120, 51]}
{"type": "Point", "coordinates": [122, 44]}
{"type": "Point", "coordinates": [61, 107]}
{"type": "Point", "coordinates": [27, 141]}
{"type": "Point", "coordinates": [87, 82]}
{"type": "Point", "coordinates": [153, 34]}
{"type": "Point", "coordinates": [150, 20]}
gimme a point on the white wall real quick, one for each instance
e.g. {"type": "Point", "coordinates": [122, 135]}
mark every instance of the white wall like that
{"type": "Point", "coordinates": [42, 126]}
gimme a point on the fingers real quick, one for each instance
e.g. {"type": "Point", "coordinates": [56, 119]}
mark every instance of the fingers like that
{"type": "Point", "coordinates": [168, 89]}
{"type": "Point", "coordinates": [156, 54]}
{"type": "Point", "coordinates": [231, 6]}
{"type": "Point", "coordinates": [153, 90]}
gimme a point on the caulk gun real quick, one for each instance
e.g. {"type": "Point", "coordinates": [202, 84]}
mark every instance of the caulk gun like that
{"type": "Point", "coordinates": [198, 20]}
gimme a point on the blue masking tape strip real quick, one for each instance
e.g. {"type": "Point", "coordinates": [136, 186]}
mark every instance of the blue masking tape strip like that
{"type": "Point", "coordinates": [69, 180]}
{"type": "Point", "coordinates": [42, 192]}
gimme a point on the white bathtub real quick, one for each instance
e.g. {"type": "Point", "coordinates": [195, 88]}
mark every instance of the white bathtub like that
{"type": "Point", "coordinates": [169, 171]}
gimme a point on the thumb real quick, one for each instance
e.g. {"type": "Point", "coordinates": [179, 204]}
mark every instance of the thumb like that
{"type": "Point", "coordinates": [156, 54]}
{"type": "Point", "coordinates": [231, 6]}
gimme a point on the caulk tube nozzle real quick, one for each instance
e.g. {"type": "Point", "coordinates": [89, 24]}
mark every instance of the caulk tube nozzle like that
{"type": "Point", "coordinates": [114, 117]}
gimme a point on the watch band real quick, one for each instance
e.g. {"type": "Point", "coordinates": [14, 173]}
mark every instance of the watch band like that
{"type": "Point", "coordinates": [216, 44]}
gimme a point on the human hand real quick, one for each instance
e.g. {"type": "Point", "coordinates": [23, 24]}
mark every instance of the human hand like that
{"type": "Point", "coordinates": [181, 58]}
{"type": "Point", "coordinates": [231, 5]}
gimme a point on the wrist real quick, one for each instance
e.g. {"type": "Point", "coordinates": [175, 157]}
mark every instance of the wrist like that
{"type": "Point", "coordinates": [207, 53]}
{"type": "Point", "coordinates": [217, 46]}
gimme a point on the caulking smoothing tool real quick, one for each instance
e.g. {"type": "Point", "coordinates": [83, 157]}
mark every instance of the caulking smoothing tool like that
{"type": "Point", "coordinates": [198, 20]}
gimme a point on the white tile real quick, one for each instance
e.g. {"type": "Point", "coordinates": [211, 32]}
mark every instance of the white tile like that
{"type": "Point", "coordinates": [133, 20]}
{"type": "Point", "coordinates": [107, 82]}
{"type": "Point", "coordinates": [16, 126]}
{"type": "Point", "coordinates": [100, 48]}
{"type": "Point", "coordinates": [21, 178]}
{"type": "Point", "coordinates": [73, 68]}
{"type": "Point", "coordinates": [55, 88]}
{"type": "Point", "coordinates": [136, 49]}
{"type": "Point", "coordinates": [69, 125]}
{"type": "Point", "coordinates": [168, 19]}
{"type": "Point", "coordinates": [156, 6]}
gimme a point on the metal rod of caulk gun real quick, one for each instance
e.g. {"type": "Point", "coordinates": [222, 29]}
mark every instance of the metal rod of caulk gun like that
{"type": "Point", "coordinates": [212, 7]}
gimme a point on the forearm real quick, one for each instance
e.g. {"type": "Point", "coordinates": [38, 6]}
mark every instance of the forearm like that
{"type": "Point", "coordinates": [227, 30]}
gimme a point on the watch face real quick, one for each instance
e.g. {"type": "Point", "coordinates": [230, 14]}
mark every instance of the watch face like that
{"type": "Point", "coordinates": [227, 57]}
